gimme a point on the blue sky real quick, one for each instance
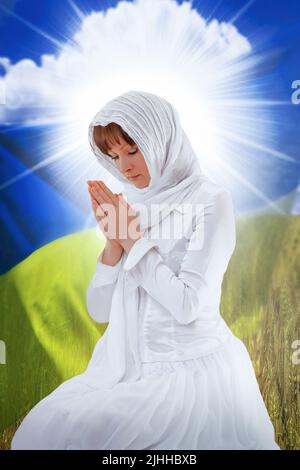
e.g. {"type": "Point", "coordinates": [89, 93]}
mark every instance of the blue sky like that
{"type": "Point", "coordinates": [271, 26]}
{"type": "Point", "coordinates": [276, 21]}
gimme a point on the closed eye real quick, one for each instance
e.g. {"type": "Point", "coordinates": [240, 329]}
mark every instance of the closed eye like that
{"type": "Point", "coordinates": [116, 157]}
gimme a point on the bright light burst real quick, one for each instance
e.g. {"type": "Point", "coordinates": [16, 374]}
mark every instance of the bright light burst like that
{"type": "Point", "coordinates": [204, 67]}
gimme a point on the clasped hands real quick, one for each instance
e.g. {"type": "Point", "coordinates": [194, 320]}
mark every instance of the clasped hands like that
{"type": "Point", "coordinates": [117, 220]}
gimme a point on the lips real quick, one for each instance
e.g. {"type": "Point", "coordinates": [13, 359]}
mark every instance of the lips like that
{"type": "Point", "coordinates": [133, 177]}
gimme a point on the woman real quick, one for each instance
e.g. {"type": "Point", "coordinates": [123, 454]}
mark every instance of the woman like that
{"type": "Point", "coordinates": [168, 373]}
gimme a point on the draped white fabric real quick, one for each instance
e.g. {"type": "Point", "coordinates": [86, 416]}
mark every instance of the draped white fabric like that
{"type": "Point", "coordinates": [153, 123]}
{"type": "Point", "coordinates": [168, 373]}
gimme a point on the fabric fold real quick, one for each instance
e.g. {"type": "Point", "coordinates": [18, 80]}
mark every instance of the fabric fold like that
{"type": "Point", "coordinates": [138, 250]}
{"type": "Point", "coordinates": [197, 388]}
{"type": "Point", "coordinates": [176, 178]}
{"type": "Point", "coordinates": [106, 274]}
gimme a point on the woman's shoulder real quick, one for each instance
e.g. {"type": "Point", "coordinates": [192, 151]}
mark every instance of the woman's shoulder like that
{"type": "Point", "coordinates": [210, 193]}
{"type": "Point", "coordinates": [213, 198]}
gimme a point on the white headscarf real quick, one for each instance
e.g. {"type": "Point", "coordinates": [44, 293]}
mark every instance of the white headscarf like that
{"type": "Point", "coordinates": [153, 124]}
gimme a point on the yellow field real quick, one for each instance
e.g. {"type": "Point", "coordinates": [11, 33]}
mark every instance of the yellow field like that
{"type": "Point", "coordinates": [50, 337]}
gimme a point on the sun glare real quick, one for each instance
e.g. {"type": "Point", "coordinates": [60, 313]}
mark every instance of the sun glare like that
{"type": "Point", "coordinates": [204, 67]}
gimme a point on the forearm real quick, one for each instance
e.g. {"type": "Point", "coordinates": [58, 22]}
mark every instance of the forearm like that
{"type": "Point", "coordinates": [112, 253]}
{"type": "Point", "coordinates": [100, 290]}
{"type": "Point", "coordinates": [179, 294]}
{"type": "Point", "coordinates": [98, 302]}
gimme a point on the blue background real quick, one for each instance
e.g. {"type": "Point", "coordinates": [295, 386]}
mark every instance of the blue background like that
{"type": "Point", "coordinates": [24, 224]}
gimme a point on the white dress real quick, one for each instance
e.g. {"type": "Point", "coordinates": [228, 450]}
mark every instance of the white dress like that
{"type": "Point", "coordinates": [198, 388]}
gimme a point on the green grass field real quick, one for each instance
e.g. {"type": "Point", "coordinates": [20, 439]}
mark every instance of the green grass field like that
{"type": "Point", "coordinates": [50, 337]}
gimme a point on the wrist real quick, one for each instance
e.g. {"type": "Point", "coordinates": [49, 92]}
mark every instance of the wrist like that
{"type": "Point", "coordinates": [113, 244]}
{"type": "Point", "coordinates": [128, 243]}
{"type": "Point", "coordinates": [112, 253]}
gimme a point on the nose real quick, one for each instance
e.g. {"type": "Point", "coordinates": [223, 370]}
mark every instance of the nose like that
{"type": "Point", "coordinates": [125, 165]}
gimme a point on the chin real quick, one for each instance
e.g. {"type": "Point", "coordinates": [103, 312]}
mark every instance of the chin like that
{"type": "Point", "coordinates": [141, 185]}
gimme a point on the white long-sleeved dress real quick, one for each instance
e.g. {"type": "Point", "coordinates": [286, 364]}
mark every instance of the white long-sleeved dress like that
{"type": "Point", "coordinates": [198, 388]}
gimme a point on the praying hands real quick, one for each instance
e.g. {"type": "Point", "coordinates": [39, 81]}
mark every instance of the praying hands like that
{"type": "Point", "coordinates": [117, 220]}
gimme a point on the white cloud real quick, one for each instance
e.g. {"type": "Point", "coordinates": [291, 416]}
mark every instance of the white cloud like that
{"type": "Point", "coordinates": [144, 44]}
{"type": "Point", "coordinates": [204, 69]}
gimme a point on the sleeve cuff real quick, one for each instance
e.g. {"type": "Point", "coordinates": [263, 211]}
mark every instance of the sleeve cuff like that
{"type": "Point", "coordinates": [106, 274]}
{"type": "Point", "coordinates": [137, 251]}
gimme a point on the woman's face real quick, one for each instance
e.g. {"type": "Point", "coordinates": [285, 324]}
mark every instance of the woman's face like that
{"type": "Point", "coordinates": [130, 162]}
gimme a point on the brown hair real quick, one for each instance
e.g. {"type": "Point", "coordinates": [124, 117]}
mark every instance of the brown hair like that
{"type": "Point", "coordinates": [106, 136]}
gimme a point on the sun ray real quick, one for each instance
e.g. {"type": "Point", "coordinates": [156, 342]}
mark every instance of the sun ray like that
{"type": "Point", "coordinates": [207, 69]}
{"type": "Point", "coordinates": [241, 11]}
{"type": "Point", "coordinates": [34, 28]}
{"type": "Point", "coordinates": [44, 163]}
{"type": "Point", "coordinates": [80, 15]}
{"type": "Point", "coordinates": [237, 175]}
{"type": "Point", "coordinates": [250, 143]}
{"type": "Point", "coordinates": [213, 10]}
{"type": "Point", "coordinates": [81, 174]}
{"type": "Point", "coordinates": [89, 220]}
{"type": "Point", "coordinates": [252, 103]}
